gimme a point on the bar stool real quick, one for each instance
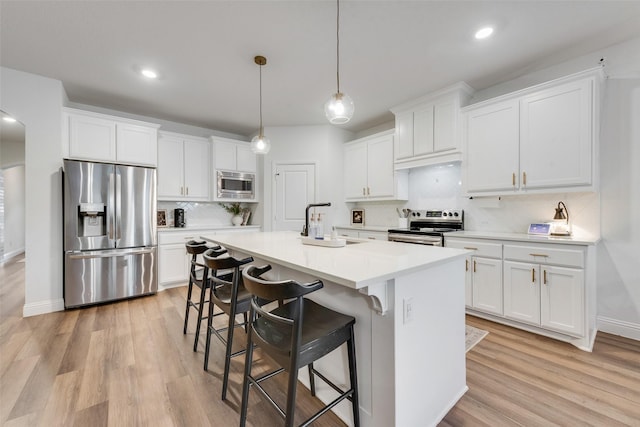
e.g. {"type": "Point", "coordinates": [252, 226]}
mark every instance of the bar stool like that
{"type": "Point", "coordinates": [229, 294]}
{"type": "Point", "coordinates": [295, 335]}
{"type": "Point", "coordinates": [196, 274]}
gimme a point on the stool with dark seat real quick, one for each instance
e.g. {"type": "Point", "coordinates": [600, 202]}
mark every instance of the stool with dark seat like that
{"type": "Point", "coordinates": [196, 273]}
{"type": "Point", "coordinates": [228, 294]}
{"type": "Point", "coordinates": [295, 334]}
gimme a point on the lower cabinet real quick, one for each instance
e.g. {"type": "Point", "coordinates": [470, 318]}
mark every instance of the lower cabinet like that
{"type": "Point", "coordinates": [541, 287]}
{"type": "Point", "coordinates": [362, 234]}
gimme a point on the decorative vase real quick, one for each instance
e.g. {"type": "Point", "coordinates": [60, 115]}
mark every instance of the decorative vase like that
{"type": "Point", "coordinates": [236, 220]}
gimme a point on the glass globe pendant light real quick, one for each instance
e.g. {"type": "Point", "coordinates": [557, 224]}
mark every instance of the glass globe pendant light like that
{"type": "Point", "coordinates": [260, 144]}
{"type": "Point", "coordinates": [339, 108]}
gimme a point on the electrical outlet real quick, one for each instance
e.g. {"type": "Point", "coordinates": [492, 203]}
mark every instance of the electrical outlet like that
{"type": "Point", "coordinates": [408, 309]}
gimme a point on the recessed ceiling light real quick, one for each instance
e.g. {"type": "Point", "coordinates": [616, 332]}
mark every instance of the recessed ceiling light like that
{"type": "Point", "coordinates": [9, 119]}
{"type": "Point", "coordinates": [149, 73]}
{"type": "Point", "coordinates": [483, 33]}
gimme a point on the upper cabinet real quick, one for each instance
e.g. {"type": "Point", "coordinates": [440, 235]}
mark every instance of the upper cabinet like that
{"type": "Point", "coordinates": [103, 138]}
{"type": "Point", "coordinates": [542, 139]}
{"type": "Point", "coordinates": [369, 172]}
{"type": "Point", "coordinates": [183, 167]}
{"type": "Point", "coordinates": [231, 155]}
{"type": "Point", "coordinates": [427, 128]}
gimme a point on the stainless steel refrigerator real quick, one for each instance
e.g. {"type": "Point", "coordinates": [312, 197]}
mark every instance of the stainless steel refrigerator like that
{"type": "Point", "coordinates": [110, 243]}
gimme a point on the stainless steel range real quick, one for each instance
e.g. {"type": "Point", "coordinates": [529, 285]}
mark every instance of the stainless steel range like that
{"type": "Point", "coordinates": [428, 227]}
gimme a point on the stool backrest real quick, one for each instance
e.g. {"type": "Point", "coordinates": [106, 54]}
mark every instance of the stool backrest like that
{"type": "Point", "coordinates": [214, 261]}
{"type": "Point", "coordinates": [275, 290]}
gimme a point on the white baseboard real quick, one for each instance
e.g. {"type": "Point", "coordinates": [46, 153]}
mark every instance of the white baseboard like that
{"type": "Point", "coordinates": [171, 285]}
{"type": "Point", "coordinates": [619, 327]}
{"type": "Point", "coordinates": [7, 256]}
{"type": "Point", "coordinates": [42, 307]}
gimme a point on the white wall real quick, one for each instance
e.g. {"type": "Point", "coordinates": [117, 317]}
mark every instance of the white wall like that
{"type": "Point", "coordinates": [37, 103]}
{"type": "Point", "coordinates": [619, 255]}
{"type": "Point", "coordinates": [322, 145]}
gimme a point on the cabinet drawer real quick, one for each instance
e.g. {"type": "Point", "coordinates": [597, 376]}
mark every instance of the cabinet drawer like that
{"type": "Point", "coordinates": [172, 237]}
{"type": "Point", "coordinates": [546, 254]}
{"type": "Point", "coordinates": [479, 247]}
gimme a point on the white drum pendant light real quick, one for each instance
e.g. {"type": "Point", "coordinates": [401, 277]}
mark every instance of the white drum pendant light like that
{"type": "Point", "coordinates": [260, 144]}
{"type": "Point", "coordinates": [339, 108]}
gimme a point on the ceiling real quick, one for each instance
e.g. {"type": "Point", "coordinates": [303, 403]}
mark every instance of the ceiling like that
{"type": "Point", "coordinates": [390, 52]}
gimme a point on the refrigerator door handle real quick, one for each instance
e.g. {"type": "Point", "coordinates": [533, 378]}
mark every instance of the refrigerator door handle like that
{"type": "Point", "coordinates": [118, 207]}
{"type": "Point", "coordinates": [111, 224]}
{"type": "Point", "coordinates": [111, 254]}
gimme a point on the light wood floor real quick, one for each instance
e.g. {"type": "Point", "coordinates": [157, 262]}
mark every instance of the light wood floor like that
{"type": "Point", "coordinates": [128, 364]}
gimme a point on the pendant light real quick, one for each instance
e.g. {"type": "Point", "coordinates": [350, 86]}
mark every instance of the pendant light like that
{"type": "Point", "coordinates": [260, 144]}
{"type": "Point", "coordinates": [339, 108]}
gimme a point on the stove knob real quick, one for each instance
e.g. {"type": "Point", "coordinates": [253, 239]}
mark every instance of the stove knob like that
{"type": "Point", "coordinates": [456, 214]}
{"type": "Point", "coordinates": [417, 213]}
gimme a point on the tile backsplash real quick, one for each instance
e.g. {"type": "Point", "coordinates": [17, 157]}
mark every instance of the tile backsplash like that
{"type": "Point", "coordinates": [440, 187]}
{"type": "Point", "coordinates": [200, 213]}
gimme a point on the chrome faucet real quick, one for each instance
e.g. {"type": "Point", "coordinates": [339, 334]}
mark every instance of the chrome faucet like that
{"type": "Point", "coordinates": [305, 229]}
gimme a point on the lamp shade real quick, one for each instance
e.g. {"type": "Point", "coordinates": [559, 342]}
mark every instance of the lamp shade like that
{"type": "Point", "coordinates": [260, 144]}
{"type": "Point", "coordinates": [339, 108]}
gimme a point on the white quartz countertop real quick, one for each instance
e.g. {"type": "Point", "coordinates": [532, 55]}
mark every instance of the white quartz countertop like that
{"type": "Point", "coordinates": [355, 265]}
{"type": "Point", "coordinates": [523, 237]}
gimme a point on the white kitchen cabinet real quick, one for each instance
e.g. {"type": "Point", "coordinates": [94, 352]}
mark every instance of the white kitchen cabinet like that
{"type": "Point", "coordinates": [183, 167]}
{"type": "Point", "coordinates": [541, 139]}
{"type": "Point", "coordinates": [231, 155]}
{"type": "Point", "coordinates": [99, 137]}
{"type": "Point", "coordinates": [427, 128]}
{"type": "Point", "coordinates": [540, 293]}
{"type": "Point", "coordinates": [547, 287]}
{"type": "Point", "coordinates": [483, 274]}
{"type": "Point", "coordinates": [369, 172]}
{"type": "Point", "coordinates": [361, 234]}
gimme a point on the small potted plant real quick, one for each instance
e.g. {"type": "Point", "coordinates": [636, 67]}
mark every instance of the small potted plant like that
{"type": "Point", "coordinates": [236, 210]}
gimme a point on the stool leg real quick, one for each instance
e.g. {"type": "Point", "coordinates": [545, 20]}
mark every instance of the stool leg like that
{"type": "Point", "coordinates": [203, 291]}
{"type": "Point", "coordinates": [247, 373]}
{"type": "Point", "coordinates": [209, 326]}
{"type": "Point", "coordinates": [353, 376]}
{"type": "Point", "coordinates": [291, 393]}
{"type": "Point", "coordinates": [312, 379]}
{"type": "Point", "coordinates": [227, 356]}
{"type": "Point", "coordinates": [186, 314]}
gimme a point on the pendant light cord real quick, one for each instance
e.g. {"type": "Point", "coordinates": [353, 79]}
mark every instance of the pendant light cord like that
{"type": "Point", "coordinates": [338, 46]}
{"type": "Point", "coordinates": [261, 130]}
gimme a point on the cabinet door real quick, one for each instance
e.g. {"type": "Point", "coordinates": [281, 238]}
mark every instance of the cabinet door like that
{"type": "Point", "coordinates": [562, 299]}
{"type": "Point", "coordinates": [355, 163]}
{"type": "Point", "coordinates": [196, 169]}
{"type": "Point", "coordinates": [522, 292]}
{"type": "Point", "coordinates": [444, 126]}
{"type": "Point", "coordinates": [225, 155]}
{"type": "Point", "coordinates": [492, 148]}
{"type": "Point", "coordinates": [245, 158]}
{"type": "Point", "coordinates": [556, 136]}
{"type": "Point", "coordinates": [423, 130]}
{"type": "Point", "coordinates": [170, 168]}
{"type": "Point", "coordinates": [92, 138]}
{"type": "Point", "coordinates": [380, 172]}
{"type": "Point", "coordinates": [136, 144]}
{"type": "Point", "coordinates": [173, 264]}
{"type": "Point", "coordinates": [487, 284]}
{"type": "Point", "coordinates": [404, 135]}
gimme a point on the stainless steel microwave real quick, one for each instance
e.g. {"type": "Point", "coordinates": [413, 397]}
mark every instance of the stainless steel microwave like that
{"type": "Point", "coordinates": [235, 185]}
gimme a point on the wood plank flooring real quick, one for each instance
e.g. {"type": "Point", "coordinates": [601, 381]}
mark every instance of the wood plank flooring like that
{"type": "Point", "coordinates": [128, 363]}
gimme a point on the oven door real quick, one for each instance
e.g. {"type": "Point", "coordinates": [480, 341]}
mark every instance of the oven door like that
{"type": "Point", "coordinates": [418, 239]}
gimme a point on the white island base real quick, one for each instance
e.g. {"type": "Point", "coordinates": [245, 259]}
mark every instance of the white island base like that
{"type": "Point", "coordinates": [408, 301]}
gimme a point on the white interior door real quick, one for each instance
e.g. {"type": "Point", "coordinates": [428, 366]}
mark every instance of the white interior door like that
{"type": "Point", "coordinates": [294, 186]}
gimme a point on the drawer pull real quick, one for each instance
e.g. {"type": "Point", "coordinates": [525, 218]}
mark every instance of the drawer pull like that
{"type": "Point", "coordinates": [545, 276]}
{"type": "Point", "coordinates": [469, 248]}
{"type": "Point", "coordinates": [533, 275]}
{"type": "Point", "coordinates": [513, 179]}
{"type": "Point", "coordinates": [542, 255]}
{"type": "Point", "coordinates": [466, 265]}
{"type": "Point", "coordinates": [474, 266]}
{"type": "Point", "coordinates": [371, 238]}
{"type": "Point", "coordinates": [524, 178]}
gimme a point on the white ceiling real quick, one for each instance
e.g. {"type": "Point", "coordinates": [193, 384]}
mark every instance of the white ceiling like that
{"type": "Point", "coordinates": [391, 52]}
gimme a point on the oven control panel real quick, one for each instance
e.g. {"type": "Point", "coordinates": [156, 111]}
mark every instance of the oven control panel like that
{"type": "Point", "coordinates": [437, 214]}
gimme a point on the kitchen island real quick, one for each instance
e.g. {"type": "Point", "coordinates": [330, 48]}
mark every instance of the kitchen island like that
{"type": "Point", "coordinates": [408, 301]}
